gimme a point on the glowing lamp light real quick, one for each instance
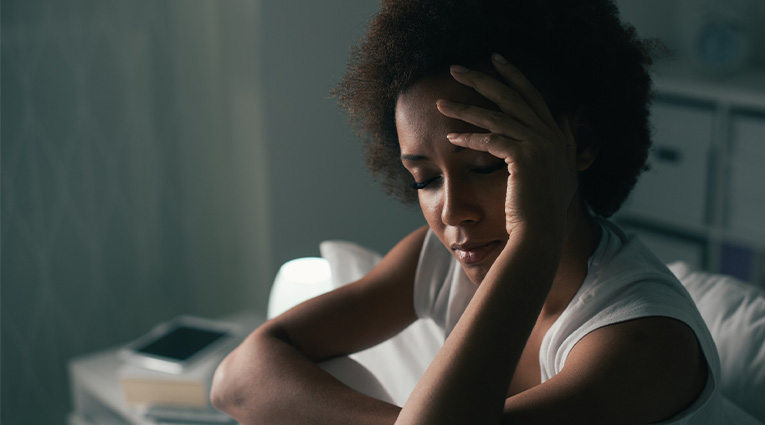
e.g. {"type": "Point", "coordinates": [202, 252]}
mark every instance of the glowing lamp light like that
{"type": "Point", "coordinates": [297, 281]}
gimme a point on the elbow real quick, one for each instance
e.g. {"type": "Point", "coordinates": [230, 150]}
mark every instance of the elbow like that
{"type": "Point", "coordinates": [231, 389]}
{"type": "Point", "coordinates": [221, 389]}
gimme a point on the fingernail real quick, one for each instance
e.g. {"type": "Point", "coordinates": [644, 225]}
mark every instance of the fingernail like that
{"type": "Point", "coordinates": [453, 137]}
{"type": "Point", "coordinates": [499, 58]}
{"type": "Point", "coordinates": [445, 103]}
{"type": "Point", "coordinates": [459, 69]}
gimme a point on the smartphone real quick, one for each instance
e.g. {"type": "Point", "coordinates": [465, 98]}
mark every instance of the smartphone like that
{"type": "Point", "coordinates": [177, 345]}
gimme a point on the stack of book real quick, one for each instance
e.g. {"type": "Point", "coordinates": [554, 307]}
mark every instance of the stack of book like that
{"type": "Point", "coordinates": [167, 374]}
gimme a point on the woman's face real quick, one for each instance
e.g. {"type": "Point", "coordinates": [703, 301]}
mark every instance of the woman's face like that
{"type": "Point", "coordinates": [461, 192]}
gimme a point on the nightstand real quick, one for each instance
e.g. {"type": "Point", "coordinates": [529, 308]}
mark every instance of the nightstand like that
{"type": "Point", "coordinates": [96, 393]}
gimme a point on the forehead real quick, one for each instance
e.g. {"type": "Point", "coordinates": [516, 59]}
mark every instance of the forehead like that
{"type": "Point", "coordinates": [425, 91]}
{"type": "Point", "coordinates": [417, 117]}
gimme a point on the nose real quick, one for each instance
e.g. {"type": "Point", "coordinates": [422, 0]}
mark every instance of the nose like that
{"type": "Point", "coordinates": [459, 205]}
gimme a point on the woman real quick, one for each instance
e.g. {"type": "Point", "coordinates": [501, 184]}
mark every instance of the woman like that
{"type": "Point", "coordinates": [518, 126]}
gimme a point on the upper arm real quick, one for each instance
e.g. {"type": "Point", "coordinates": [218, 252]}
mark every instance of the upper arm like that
{"type": "Point", "coordinates": [640, 371]}
{"type": "Point", "coordinates": [360, 314]}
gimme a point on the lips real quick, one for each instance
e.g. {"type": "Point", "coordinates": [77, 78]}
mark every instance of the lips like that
{"type": "Point", "coordinates": [473, 252]}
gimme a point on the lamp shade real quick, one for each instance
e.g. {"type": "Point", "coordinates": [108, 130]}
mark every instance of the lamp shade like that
{"type": "Point", "coordinates": [298, 280]}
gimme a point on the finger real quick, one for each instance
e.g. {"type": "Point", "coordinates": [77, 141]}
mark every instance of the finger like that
{"type": "Point", "coordinates": [515, 78]}
{"type": "Point", "coordinates": [493, 121]}
{"type": "Point", "coordinates": [507, 99]}
{"type": "Point", "coordinates": [495, 144]}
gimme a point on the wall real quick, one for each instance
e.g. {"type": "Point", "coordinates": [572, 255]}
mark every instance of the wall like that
{"type": "Point", "coordinates": [161, 158]}
{"type": "Point", "coordinates": [133, 180]}
{"type": "Point", "coordinates": [320, 186]}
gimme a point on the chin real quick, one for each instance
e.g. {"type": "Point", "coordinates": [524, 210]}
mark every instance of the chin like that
{"type": "Point", "coordinates": [476, 274]}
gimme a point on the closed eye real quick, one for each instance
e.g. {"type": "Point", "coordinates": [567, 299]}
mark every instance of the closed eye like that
{"type": "Point", "coordinates": [422, 185]}
{"type": "Point", "coordinates": [480, 170]}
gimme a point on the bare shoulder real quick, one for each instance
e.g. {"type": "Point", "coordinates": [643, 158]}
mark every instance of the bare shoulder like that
{"type": "Point", "coordinates": [656, 361]}
{"type": "Point", "coordinates": [640, 371]}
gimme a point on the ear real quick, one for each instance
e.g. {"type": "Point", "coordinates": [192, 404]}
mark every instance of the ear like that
{"type": "Point", "coordinates": [584, 157]}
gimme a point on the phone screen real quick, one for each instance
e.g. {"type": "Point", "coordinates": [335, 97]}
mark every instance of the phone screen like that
{"type": "Point", "coordinates": [181, 343]}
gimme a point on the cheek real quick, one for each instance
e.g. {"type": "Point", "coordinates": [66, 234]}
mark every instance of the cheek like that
{"type": "Point", "coordinates": [432, 208]}
{"type": "Point", "coordinates": [430, 205]}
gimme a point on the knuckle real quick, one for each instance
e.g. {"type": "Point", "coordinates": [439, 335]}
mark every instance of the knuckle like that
{"type": "Point", "coordinates": [487, 139]}
{"type": "Point", "coordinates": [495, 117]}
{"type": "Point", "coordinates": [509, 96]}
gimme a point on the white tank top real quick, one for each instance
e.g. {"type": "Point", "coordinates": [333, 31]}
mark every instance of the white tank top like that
{"type": "Point", "coordinates": [624, 281]}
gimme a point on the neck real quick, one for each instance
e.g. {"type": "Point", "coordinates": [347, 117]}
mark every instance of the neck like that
{"type": "Point", "coordinates": [582, 239]}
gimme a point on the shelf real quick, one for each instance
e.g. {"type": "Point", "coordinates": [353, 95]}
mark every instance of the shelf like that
{"type": "Point", "coordinates": [666, 225]}
{"type": "Point", "coordinates": [744, 90]}
{"type": "Point", "coordinates": [714, 201]}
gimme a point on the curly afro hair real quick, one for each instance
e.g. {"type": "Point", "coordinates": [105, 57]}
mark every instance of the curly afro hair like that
{"type": "Point", "coordinates": [578, 54]}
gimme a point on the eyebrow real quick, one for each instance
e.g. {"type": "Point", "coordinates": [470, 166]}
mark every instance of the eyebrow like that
{"type": "Point", "coordinates": [413, 157]}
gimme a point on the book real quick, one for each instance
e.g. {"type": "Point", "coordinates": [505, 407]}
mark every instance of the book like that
{"type": "Point", "coordinates": [187, 415]}
{"type": "Point", "coordinates": [191, 388]}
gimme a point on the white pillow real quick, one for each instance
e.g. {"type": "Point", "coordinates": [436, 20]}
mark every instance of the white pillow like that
{"type": "Point", "coordinates": [735, 315]}
{"type": "Point", "coordinates": [399, 362]}
{"type": "Point", "coordinates": [348, 261]}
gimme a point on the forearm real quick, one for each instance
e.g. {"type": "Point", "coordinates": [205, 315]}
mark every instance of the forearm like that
{"type": "Point", "coordinates": [469, 378]}
{"type": "Point", "coordinates": [268, 381]}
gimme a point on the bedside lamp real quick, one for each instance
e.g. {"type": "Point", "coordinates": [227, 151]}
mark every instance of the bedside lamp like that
{"type": "Point", "coordinates": [298, 280]}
